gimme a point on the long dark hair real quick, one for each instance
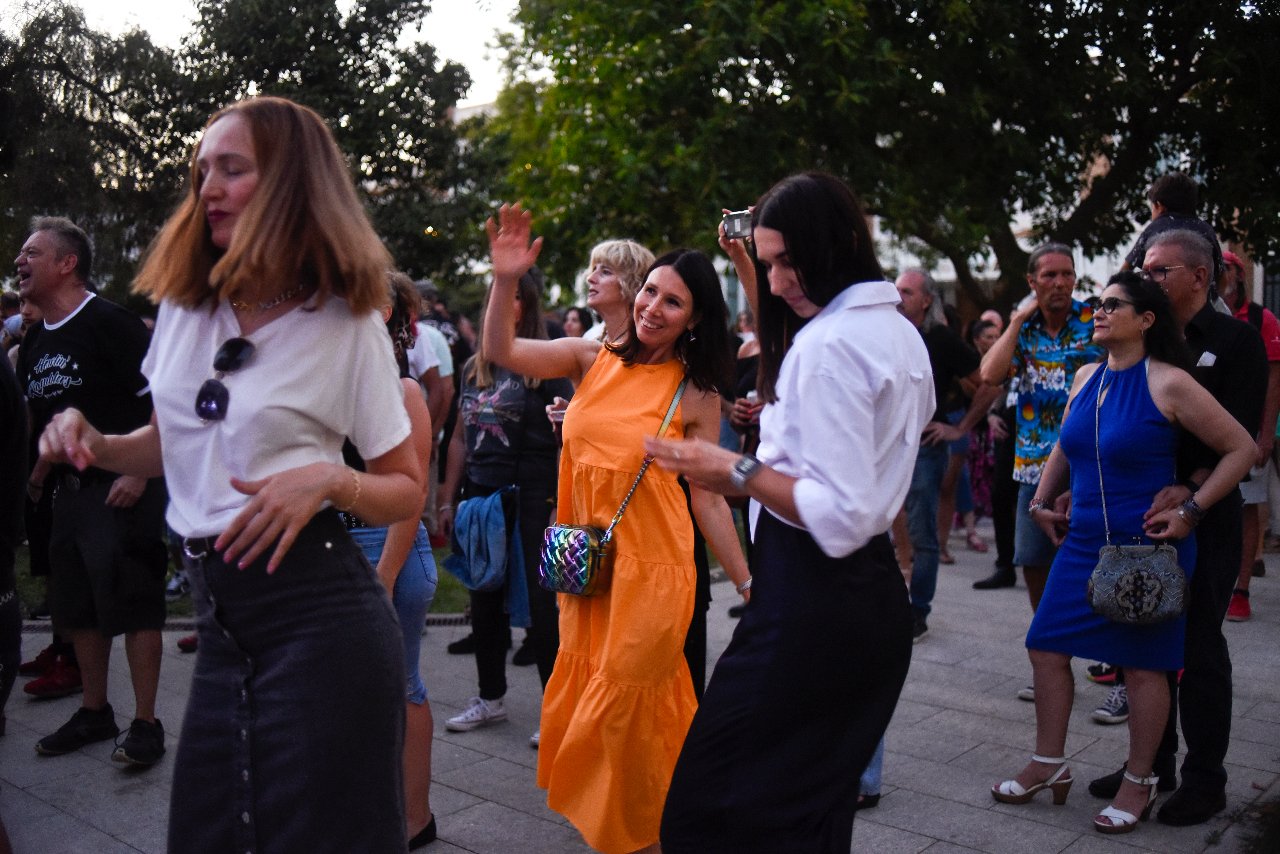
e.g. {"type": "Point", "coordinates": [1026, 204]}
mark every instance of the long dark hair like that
{"type": "Point", "coordinates": [478, 369]}
{"type": "Point", "coordinates": [829, 244]}
{"type": "Point", "coordinates": [1163, 340]}
{"type": "Point", "coordinates": [707, 353]}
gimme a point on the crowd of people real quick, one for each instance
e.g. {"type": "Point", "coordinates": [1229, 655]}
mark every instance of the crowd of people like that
{"type": "Point", "coordinates": [300, 424]}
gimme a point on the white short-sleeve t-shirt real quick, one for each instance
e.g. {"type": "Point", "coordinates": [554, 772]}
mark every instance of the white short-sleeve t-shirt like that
{"type": "Point", "coordinates": [316, 377]}
{"type": "Point", "coordinates": [422, 357]}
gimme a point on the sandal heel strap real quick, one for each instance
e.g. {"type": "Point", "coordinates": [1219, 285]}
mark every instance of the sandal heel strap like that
{"type": "Point", "coordinates": [1150, 780]}
{"type": "Point", "coordinates": [1048, 760]}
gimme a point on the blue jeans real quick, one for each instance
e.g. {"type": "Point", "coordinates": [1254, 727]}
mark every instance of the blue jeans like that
{"type": "Point", "coordinates": [415, 587]}
{"type": "Point", "coordinates": [922, 524]}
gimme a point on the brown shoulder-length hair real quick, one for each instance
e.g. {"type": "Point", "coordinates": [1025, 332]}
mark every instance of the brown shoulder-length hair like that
{"type": "Point", "coordinates": [304, 223]}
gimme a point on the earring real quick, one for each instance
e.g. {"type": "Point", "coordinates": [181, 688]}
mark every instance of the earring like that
{"type": "Point", "coordinates": [692, 337]}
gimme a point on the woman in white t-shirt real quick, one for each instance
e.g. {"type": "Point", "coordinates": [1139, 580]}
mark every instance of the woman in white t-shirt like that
{"type": "Point", "coordinates": [267, 352]}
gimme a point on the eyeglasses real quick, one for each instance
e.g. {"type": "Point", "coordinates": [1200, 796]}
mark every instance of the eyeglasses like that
{"type": "Point", "coordinates": [213, 398]}
{"type": "Point", "coordinates": [1110, 305]}
{"type": "Point", "coordinates": [1159, 274]}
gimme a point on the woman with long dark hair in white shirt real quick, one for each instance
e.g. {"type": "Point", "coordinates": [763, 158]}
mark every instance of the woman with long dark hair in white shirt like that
{"type": "Point", "coordinates": [847, 388]}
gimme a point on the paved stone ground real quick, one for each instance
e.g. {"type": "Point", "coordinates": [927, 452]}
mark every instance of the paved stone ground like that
{"type": "Point", "coordinates": [957, 730]}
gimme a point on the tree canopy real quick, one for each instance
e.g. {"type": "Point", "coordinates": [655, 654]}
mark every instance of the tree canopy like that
{"type": "Point", "coordinates": [956, 122]}
{"type": "Point", "coordinates": [100, 128]}
{"type": "Point", "coordinates": [92, 130]}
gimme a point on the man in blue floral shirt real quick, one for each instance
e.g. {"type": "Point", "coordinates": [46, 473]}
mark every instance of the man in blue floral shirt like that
{"type": "Point", "coordinates": [1050, 335]}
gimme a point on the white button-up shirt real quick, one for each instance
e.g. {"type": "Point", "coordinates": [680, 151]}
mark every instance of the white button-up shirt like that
{"type": "Point", "coordinates": [854, 393]}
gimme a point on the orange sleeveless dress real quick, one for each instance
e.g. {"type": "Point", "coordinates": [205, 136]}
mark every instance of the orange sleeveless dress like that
{"type": "Point", "coordinates": [620, 700]}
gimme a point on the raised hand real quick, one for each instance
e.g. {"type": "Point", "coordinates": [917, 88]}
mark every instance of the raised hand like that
{"type": "Point", "coordinates": [510, 249]}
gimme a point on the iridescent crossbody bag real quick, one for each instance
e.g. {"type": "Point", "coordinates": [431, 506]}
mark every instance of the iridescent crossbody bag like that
{"type": "Point", "coordinates": [1139, 584]}
{"type": "Point", "coordinates": [577, 559]}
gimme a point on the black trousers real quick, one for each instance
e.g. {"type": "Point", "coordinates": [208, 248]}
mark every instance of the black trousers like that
{"type": "Point", "coordinates": [489, 619]}
{"type": "Point", "coordinates": [695, 641]}
{"type": "Point", "coordinates": [1204, 696]}
{"type": "Point", "coordinates": [831, 636]}
{"type": "Point", "coordinates": [1004, 495]}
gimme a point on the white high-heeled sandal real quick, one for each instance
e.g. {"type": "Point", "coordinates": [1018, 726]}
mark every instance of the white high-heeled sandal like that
{"type": "Point", "coordinates": [1012, 792]}
{"type": "Point", "coordinates": [1119, 821]}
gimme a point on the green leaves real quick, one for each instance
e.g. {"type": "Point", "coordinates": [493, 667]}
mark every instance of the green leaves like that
{"type": "Point", "coordinates": [955, 119]}
{"type": "Point", "coordinates": [100, 128]}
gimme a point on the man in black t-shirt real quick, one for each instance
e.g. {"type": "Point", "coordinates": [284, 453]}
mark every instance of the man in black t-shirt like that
{"type": "Point", "coordinates": [13, 475]}
{"type": "Point", "coordinates": [106, 551]}
{"type": "Point", "coordinates": [951, 360]}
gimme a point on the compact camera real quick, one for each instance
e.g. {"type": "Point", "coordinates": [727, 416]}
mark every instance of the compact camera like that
{"type": "Point", "coordinates": [737, 225]}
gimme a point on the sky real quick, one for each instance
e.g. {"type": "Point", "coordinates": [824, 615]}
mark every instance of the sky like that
{"type": "Point", "coordinates": [459, 29]}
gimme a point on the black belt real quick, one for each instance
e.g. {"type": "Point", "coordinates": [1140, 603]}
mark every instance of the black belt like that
{"type": "Point", "coordinates": [353, 522]}
{"type": "Point", "coordinates": [75, 481]}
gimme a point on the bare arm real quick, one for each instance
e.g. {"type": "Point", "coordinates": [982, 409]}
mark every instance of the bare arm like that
{"type": "Point", "coordinates": [938, 431]}
{"type": "Point", "coordinates": [454, 466]}
{"type": "Point", "coordinates": [69, 438]}
{"type": "Point", "coordinates": [1187, 403]}
{"type": "Point", "coordinates": [437, 399]}
{"type": "Point", "coordinates": [709, 508]}
{"type": "Point", "coordinates": [1055, 477]}
{"type": "Point", "coordinates": [708, 466]}
{"type": "Point", "coordinates": [994, 368]}
{"type": "Point", "coordinates": [400, 535]}
{"type": "Point", "coordinates": [281, 504]}
{"type": "Point", "coordinates": [744, 267]}
{"type": "Point", "coordinates": [512, 255]}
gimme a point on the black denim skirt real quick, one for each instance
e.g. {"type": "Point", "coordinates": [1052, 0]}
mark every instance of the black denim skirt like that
{"type": "Point", "coordinates": [294, 727]}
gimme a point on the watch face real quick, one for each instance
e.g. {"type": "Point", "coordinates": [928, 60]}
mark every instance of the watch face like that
{"type": "Point", "coordinates": [743, 470]}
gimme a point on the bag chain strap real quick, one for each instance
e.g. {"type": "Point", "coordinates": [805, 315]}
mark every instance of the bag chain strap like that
{"type": "Point", "coordinates": [648, 459]}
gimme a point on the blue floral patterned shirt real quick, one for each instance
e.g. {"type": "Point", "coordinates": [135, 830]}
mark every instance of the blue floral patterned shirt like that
{"type": "Point", "coordinates": [1043, 368]}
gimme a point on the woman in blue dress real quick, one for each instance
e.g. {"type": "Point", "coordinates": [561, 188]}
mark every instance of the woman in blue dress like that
{"type": "Point", "coordinates": [1118, 443]}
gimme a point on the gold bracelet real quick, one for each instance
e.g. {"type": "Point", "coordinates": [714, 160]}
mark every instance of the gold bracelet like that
{"type": "Point", "coordinates": [355, 479]}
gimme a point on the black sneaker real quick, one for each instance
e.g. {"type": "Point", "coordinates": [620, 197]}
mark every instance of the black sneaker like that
{"type": "Point", "coordinates": [919, 629]}
{"type": "Point", "coordinates": [85, 727]}
{"type": "Point", "coordinates": [143, 745]}
{"type": "Point", "coordinates": [524, 655]}
{"type": "Point", "coordinates": [467, 645]}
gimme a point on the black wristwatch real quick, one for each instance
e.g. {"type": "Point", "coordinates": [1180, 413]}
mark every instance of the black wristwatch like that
{"type": "Point", "coordinates": [744, 469]}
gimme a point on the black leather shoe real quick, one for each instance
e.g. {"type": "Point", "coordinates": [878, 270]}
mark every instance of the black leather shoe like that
{"type": "Point", "coordinates": [1003, 577]}
{"type": "Point", "coordinates": [425, 836]}
{"type": "Point", "coordinates": [1190, 806]}
{"type": "Point", "coordinates": [1106, 787]}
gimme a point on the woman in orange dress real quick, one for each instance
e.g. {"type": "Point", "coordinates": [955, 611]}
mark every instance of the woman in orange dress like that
{"type": "Point", "coordinates": [620, 700]}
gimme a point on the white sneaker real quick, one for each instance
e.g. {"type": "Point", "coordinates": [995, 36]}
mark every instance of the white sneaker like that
{"type": "Point", "coordinates": [477, 714]}
{"type": "Point", "coordinates": [1114, 709]}
{"type": "Point", "coordinates": [535, 739]}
